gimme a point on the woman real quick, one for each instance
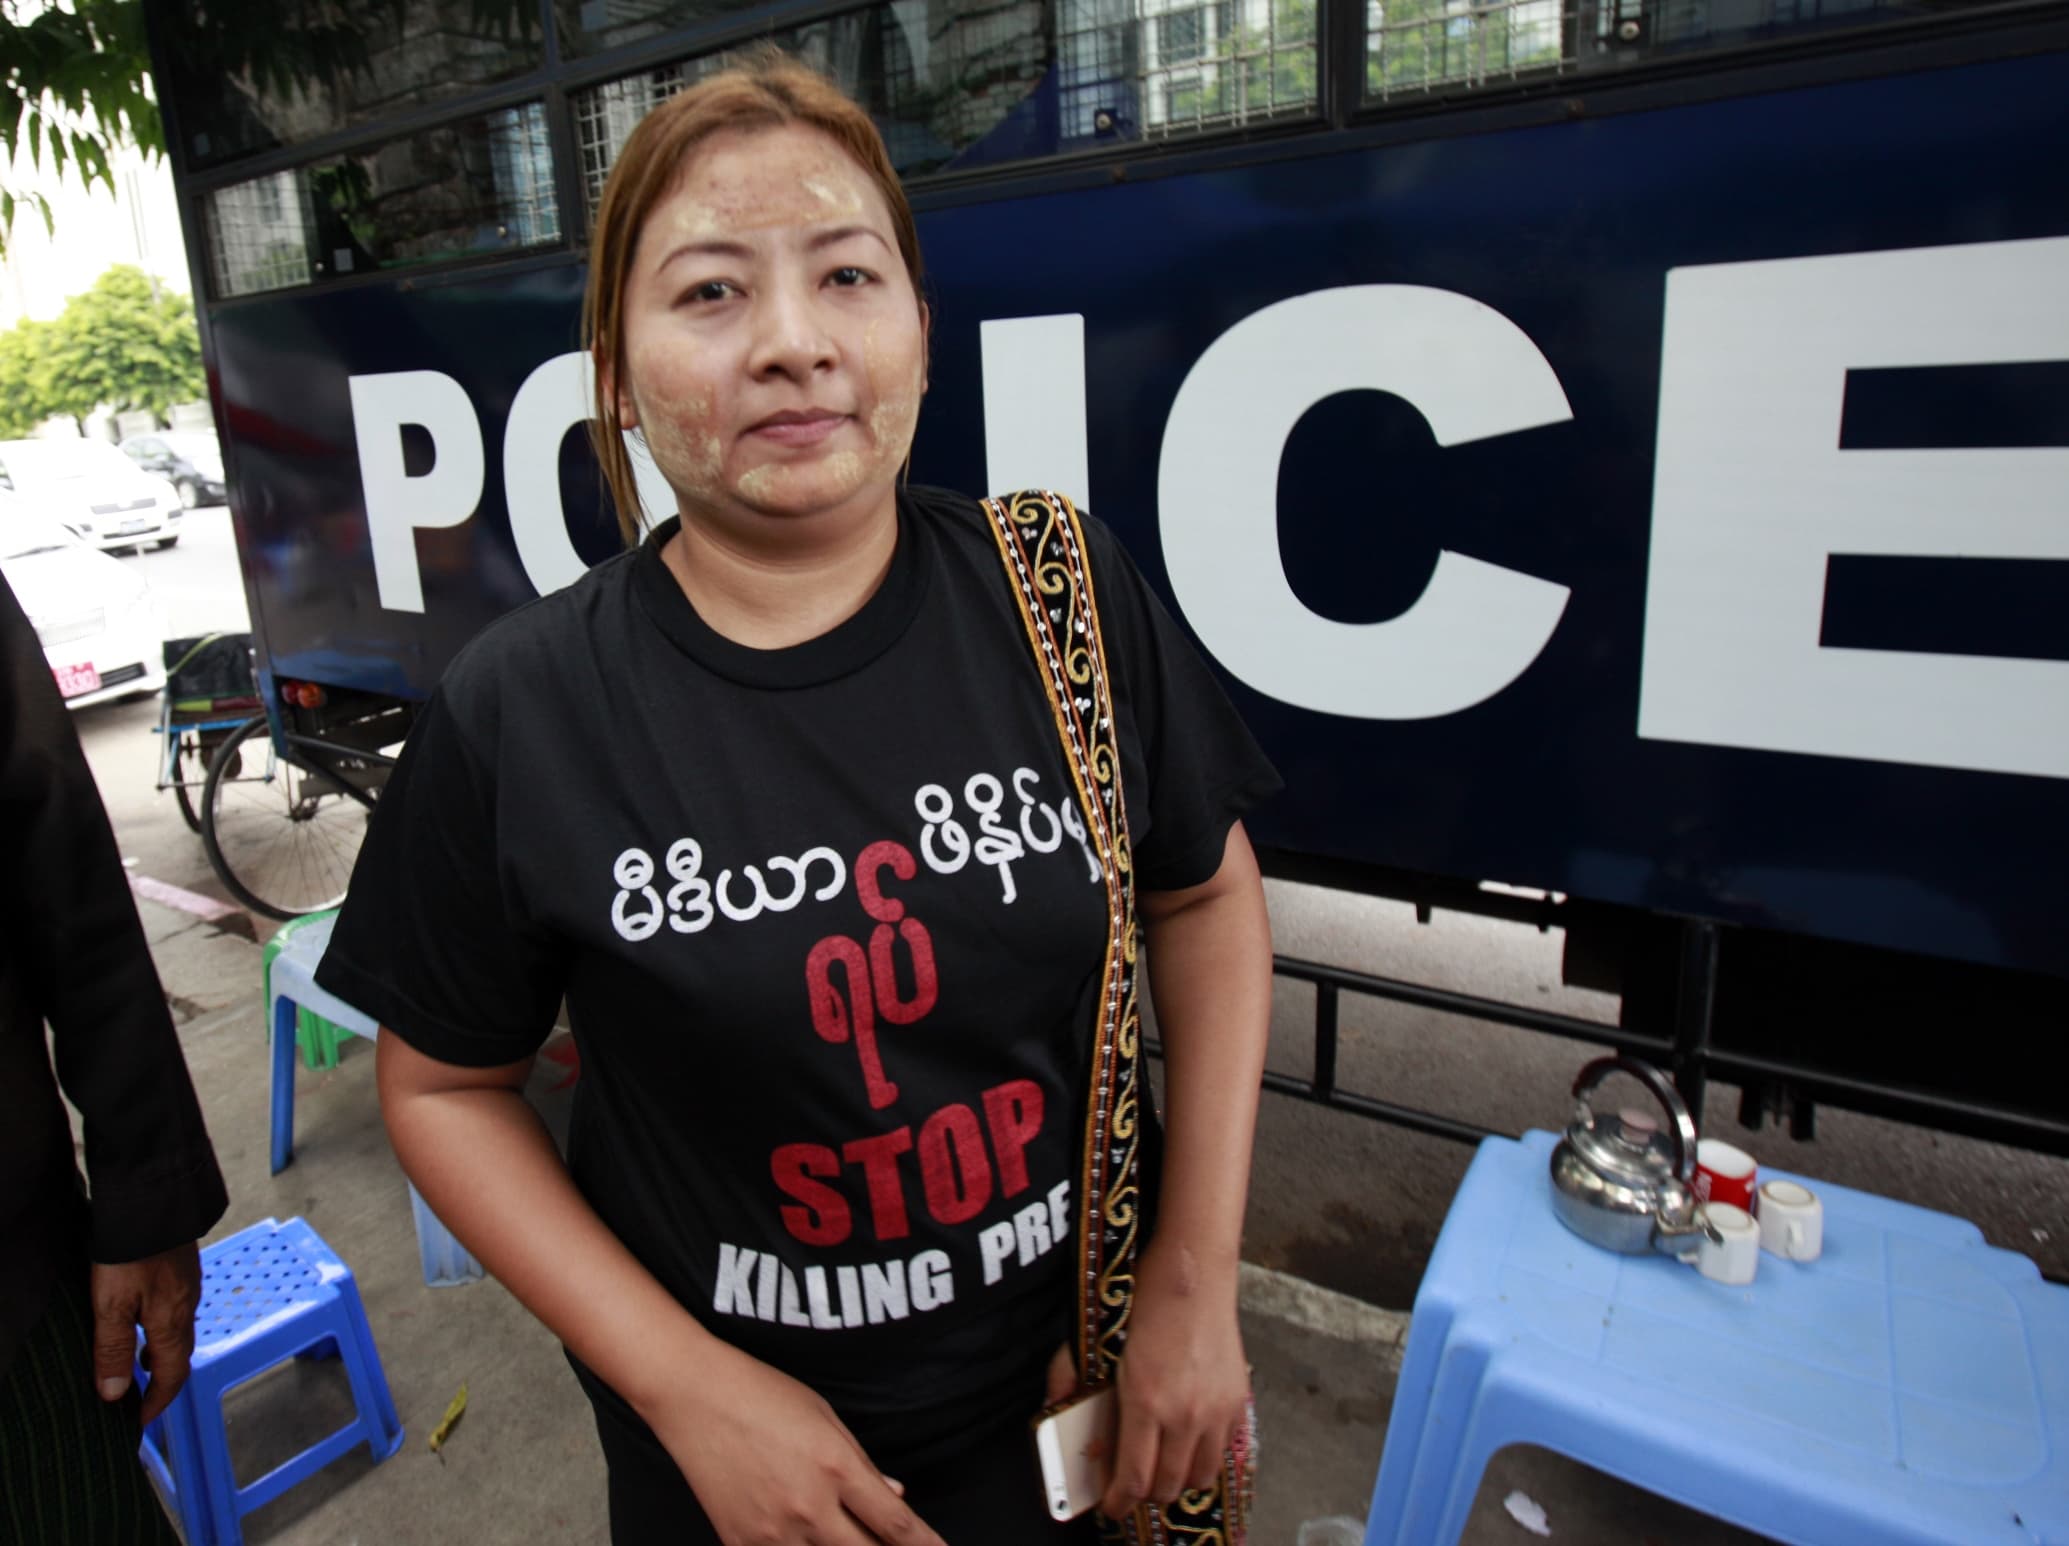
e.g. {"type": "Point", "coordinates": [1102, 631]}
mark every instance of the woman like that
{"type": "Point", "coordinates": [776, 800]}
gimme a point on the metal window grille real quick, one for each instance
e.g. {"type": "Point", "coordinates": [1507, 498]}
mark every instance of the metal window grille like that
{"type": "Point", "coordinates": [939, 77]}
{"type": "Point", "coordinates": [605, 115]}
{"type": "Point", "coordinates": [1419, 46]}
{"type": "Point", "coordinates": [1098, 61]}
{"type": "Point", "coordinates": [260, 234]}
{"type": "Point", "coordinates": [521, 166]}
{"type": "Point", "coordinates": [1223, 63]}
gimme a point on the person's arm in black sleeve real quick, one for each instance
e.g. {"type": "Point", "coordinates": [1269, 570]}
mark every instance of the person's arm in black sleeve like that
{"type": "Point", "coordinates": [66, 908]}
{"type": "Point", "coordinates": [1200, 766]}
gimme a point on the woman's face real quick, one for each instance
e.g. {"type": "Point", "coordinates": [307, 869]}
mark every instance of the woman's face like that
{"type": "Point", "coordinates": [775, 350]}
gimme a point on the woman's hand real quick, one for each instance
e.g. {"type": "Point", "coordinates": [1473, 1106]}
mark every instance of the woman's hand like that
{"type": "Point", "coordinates": [1184, 1384]}
{"type": "Point", "coordinates": [772, 1466]}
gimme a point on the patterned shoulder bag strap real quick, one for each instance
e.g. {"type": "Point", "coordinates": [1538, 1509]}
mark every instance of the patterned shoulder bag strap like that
{"type": "Point", "coordinates": [1043, 549]}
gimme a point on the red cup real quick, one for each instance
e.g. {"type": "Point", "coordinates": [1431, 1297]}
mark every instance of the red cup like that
{"type": "Point", "coordinates": [1725, 1174]}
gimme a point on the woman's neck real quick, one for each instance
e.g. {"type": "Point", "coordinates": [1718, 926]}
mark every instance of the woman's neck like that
{"type": "Point", "coordinates": [776, 583]}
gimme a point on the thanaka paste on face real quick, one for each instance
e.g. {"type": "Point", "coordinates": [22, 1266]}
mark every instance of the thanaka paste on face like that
{"type": "Point", "coordinates": [728, 198]}
{"type": "Point", "coordinates": [822, 190]}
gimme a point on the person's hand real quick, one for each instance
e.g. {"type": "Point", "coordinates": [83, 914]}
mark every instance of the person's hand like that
{"type": "Point", "coordinates": [158, 1293]}
{"type": "Point", "coordinates": [772, 1466]}
{"type": "Point", "coordinates": [1063, 1375]}
{"type": "Point", "coordinates": [1184, 1385]}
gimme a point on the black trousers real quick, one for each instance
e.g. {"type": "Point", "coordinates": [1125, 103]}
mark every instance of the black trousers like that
{"type": "Point", "coordinates": [69, 1473]}
{"type": "Point", "coordinates": [990, 1495]}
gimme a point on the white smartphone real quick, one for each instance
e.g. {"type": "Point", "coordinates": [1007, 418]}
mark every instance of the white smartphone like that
{"type": "Point", "coordinates": [1074, 1440]}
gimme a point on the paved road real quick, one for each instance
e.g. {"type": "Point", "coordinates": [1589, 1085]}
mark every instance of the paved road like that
{"type": "Point", "coordinates": [1340, 1200]}
{"type": "Point", "coordinates": [196, 582]}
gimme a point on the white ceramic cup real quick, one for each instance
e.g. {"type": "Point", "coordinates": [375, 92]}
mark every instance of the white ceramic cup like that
{"type": "Point", "coordinates": [1792, 1221]}
{"type": "Point", "coordinates": [1738, 1258]}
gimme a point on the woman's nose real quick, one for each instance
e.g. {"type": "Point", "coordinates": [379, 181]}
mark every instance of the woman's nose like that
{"type": "Point", "coordinates": [791, 336]}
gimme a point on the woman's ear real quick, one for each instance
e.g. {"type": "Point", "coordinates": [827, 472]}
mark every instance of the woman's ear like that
{"type": "Point", "coordinates": [926, 345]}
{"type": "Point", "coordinates": [607, 390]}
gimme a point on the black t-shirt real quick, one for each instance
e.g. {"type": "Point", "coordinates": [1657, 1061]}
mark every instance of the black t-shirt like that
{"type": "Point", "coordinates": [828, 932]}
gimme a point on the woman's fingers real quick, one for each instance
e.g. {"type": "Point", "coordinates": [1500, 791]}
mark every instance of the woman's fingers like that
{"type": "Point", "coordinates": [880, 1514]}
{"type": "Point", "coordinates": [1135, 1460]}
{"type": "Point", "coordinates": [1155, 1463]}
{"type": "Point", "coordinates": [1063, 1376]}
{"type": "Point", "coordinates": [1207, 1456]}
{"type": "Point", "coordinates": [1176, 1447]}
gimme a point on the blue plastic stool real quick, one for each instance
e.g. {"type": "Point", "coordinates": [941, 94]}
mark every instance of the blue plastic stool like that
{"type": "Point", "coordinates": [1911, 1386]}
{"type": "Point", "coordinates": [268, 1293]}
{"type": "Point", "coordinates": [291, 984]}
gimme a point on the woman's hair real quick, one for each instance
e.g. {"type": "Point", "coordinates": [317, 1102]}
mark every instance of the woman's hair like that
{"type": "Point", "coordinates": [765, 90]}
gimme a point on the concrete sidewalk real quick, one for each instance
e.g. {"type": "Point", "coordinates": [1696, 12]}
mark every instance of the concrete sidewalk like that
{"type": "Point", "coordinates": [524, 1466]}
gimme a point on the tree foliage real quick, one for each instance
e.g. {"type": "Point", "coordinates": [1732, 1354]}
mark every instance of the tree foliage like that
{"type": "Point", "coordinates": [21, 409]}
{"type": "Point", "coordinates": [76, 86]}
{"type": "Point", "coordinates": [1418, 45]}
{"type": "Point", "coordinates": [126, 343]}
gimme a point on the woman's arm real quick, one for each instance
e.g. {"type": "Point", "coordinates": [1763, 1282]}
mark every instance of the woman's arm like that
{"type": "Point", "coordinates": [766, 1457]}
{"type": "Point", "coordinates": [1183, 1380]}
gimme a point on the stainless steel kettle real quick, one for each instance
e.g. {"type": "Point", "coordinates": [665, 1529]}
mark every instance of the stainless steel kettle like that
{"type": "Point", "coordinates": [1622, 1182]}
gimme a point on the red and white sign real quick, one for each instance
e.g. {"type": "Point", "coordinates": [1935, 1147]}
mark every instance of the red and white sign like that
{"type": "Point", "coordinates": [74, 680]}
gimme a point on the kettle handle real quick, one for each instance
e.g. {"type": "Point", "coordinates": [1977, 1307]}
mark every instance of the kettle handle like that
{"type": "Point", "coordinates": [1681, 1130]}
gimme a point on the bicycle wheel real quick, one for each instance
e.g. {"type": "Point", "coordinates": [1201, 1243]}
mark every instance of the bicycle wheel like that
{"type": "Point", "coordinates": [281, 839]}
{"type": "Point", "coordinates": [190, 771]}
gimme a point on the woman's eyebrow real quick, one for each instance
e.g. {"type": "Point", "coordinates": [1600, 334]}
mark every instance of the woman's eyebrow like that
{"type": "Point", "coordinates": [841, 233]}
{"type": "Point", "coordinates": [741, 252]}
{"type": "Point", "coordinates": [716, 249]}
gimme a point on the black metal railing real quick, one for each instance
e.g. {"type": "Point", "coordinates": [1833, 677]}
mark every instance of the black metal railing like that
{"type": "Point", "coordinates": [1687, 1053]}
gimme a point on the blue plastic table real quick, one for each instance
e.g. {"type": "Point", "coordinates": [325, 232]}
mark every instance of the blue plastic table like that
{"type": "Point", "coordinates": [1910, 1386]}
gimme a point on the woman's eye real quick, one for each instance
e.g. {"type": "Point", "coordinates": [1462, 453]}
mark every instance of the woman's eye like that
{"type": "Point", "coordinates": [849, 275]}
{"type": "Point", "coordinates": [710, 290]}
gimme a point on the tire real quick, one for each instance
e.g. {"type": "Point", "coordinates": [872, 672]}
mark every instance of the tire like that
{"type": "Point", "coordinates": [278, 849]}
{"type": "Point", "coordinates": [188, 813]}
{"type": "Point", "coordinates": [164, 542]}
{"type": "Point", "coordinates": [192, 761]}
{"type": "Point", "coordinates": [189, 492]}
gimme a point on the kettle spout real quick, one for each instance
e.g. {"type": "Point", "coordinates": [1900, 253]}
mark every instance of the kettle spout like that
{"type": "Point", "coordinates": [1682, 1224]}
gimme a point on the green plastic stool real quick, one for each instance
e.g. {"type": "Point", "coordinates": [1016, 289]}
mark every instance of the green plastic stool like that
{"type": "Point", "coordinates": [315, 1037]}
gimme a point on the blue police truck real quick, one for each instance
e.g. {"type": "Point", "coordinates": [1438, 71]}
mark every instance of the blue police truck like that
{"type": "Point", "coordinates": [1617, 451]}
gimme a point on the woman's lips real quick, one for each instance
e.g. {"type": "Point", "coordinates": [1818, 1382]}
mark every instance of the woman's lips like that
{"type": "Point", "coordinates": [798, 429]}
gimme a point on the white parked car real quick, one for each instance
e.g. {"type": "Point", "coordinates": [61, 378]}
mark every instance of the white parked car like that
{"type": "Point", "coordinates": [99, 494]}
{"type": "Point", "coordinates": [100, 625]}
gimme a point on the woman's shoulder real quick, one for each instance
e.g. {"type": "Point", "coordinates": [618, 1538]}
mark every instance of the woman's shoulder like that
{"type": "Point", "coordinates": [534, 645]}
{"type": "Point", "coordinates": [965, 516]}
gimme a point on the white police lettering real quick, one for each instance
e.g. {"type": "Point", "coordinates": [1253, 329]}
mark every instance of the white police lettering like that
{"type": "Point", "coordinates": [1477, 627]}
{"type": "Point", "coordinates": [400, 503]}
{"type": "Point", "coordinates": [1472, 374]}
{"type": "Point", "coordinates": [1753, 496]}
